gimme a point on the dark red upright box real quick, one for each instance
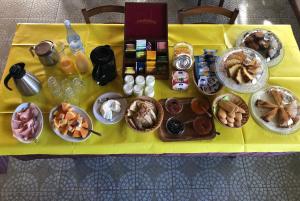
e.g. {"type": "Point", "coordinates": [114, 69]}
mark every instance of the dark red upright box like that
{"type": "Point", "coordinates": [146, 21]}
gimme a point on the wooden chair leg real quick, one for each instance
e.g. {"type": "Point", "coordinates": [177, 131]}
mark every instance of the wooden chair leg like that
{"type": "Point", "coordinates": [221, 3]}
{"type": "Point", "coordinates": [199, 2]}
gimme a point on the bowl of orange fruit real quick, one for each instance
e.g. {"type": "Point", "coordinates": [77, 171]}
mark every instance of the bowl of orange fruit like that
{"type": "Point", "coordinates": [70, 122]}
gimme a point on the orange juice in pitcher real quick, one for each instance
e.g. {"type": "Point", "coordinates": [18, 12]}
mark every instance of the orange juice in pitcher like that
{"type": "Point", "coordinates": [82, 62]}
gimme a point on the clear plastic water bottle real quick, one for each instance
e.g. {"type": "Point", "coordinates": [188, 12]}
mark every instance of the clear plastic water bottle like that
{"type": "Point", "coordinates": [73, 38]}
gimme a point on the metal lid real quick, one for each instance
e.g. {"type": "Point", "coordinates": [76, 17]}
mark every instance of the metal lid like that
{"type": "Point", "coordinates": [43, 48]}
{"type": "Point", "coordinates": [183, 62]}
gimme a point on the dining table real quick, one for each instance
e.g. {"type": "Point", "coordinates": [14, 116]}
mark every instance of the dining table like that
{"type": "Point", "coordinates": [119, 138]}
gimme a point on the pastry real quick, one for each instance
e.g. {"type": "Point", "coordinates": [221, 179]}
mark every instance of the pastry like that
{"type": "Point", "coordinates": [239, 77]}
{"type": "Point", "coordinates": [230, 107]}
{"type": "Point", "coordinates": [277, 96]}
{"type": "Point", "coordinates": [241, 68]}
{"type": "Point", "coordinates": [265, 42]}
{"type": "Point", "coordinates": [283, 118]}
{"type": "Point", "coordinates": [232, 71]}
{"type": "Point", "coordinates": [142, 115]}
{"type": "Point", "coordinates": [222, 114]}
{"type": "Point", "coordinates": [292, 109]}
{"type": "Point", "coordinates": [230, 113]}
{"type": "Point", "coordinates": [283, 114]}
{"type": "Point", "coordinates": [232, 62]}
{"type": "Point", "coordinates": [268, 116]}
{"type": "Point", "coordinates": [237, 55]}
{"type": "Point", "coordinates": [246, 75]}
{"type": "Point", "coordinates": [265, 104]}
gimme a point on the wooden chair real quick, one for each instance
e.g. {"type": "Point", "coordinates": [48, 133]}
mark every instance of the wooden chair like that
{"type": "Point", "coordinates": [182, 13]}
{"type": "Point", "coordinates": [101, 9]}
{"type": "Point", "coordinates": [221, 3]}
{"type": "Point", "coordinates": [295, 4]}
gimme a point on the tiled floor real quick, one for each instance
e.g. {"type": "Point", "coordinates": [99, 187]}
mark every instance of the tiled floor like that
{"type": "Point", "coordinates": [154, 178]}
{"type": "Point", "coordinates": [147, 178]}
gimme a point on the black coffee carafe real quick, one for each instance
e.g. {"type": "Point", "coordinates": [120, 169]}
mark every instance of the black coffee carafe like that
{"type": "Point", "coordinates": [103, 60]}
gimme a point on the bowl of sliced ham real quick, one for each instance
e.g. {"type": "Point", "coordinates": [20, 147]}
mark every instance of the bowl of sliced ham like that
{"type": "Point", "coordinates": [27, 123]}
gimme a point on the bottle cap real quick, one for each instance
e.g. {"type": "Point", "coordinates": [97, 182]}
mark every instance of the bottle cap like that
{"type": "Point", "coordinates": [67, 22]}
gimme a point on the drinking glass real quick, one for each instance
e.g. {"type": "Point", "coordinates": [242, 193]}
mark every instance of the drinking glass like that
{"type": "Point", "coordinates": [77, 84]}
{"type": "Point", "coordinates": [69, 96]}
{"type": "Point", "coordinates": [54, 87]}
{"type": "Point", "coordinates": [52, 82]}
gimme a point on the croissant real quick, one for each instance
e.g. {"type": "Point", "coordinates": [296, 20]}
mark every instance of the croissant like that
{"type": "Point", "coordinates": [277, 96]}
{"type": "Point", "coordinates": [268, 116]}
{"type": "Point", "coordinates": [292, 109]}
{"type": "Point", "coordinates": [283, 118]}
{"type": "Point", "coordinates": [265, 104]}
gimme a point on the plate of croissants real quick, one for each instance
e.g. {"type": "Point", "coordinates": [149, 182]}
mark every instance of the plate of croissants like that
{"type": "Point", "coordinates": [276, 109]}
{"type": "Point", "coordinates": [242, 70]}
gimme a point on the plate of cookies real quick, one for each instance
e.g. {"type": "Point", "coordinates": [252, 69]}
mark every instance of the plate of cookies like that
{"type": "Point", "coordinates": [265, 42]}
{"type": "Point", "coordinates": [276, 109]}
{"type": "Point", "coordinates": [242, 70]}
{"type": "Point", "coordinates": [230, 110]}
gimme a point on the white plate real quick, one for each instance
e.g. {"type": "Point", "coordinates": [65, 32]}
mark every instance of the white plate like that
{"type": "Point", "coordinates": [68, 137]}
{"type": "Point", "coordinates": [39, 117]}
{"type": "Point", "coordinates": [270, 62]}
{"type": "Point", "coordinates": [258, 112]}
{"type": "Point", "coordinates": [261, 78]}
{"type": "Point", "coordinates": [117, 117]}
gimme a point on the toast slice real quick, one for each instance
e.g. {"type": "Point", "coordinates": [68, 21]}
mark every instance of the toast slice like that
{"type": "Point", "coordinates": [232, 71]}
{"type": "Point", "coordinates": [246, 75]}
{"type": "Point", "coordinates": [239, 77]}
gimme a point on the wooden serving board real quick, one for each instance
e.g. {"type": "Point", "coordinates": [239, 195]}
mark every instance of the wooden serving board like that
{"type": "Point", "coordinates": [185, 115]}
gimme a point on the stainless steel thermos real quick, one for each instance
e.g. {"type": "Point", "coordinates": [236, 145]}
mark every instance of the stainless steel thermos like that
{"type": "Point", "coordinates": [26, 83]}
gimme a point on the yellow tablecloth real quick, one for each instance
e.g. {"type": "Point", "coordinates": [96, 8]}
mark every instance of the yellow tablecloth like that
{"type": "Point", "coordinates": [119, 139]}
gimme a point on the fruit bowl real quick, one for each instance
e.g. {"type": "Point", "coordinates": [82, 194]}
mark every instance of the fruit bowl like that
{"type": "Point", "coordinates": [70, 123]}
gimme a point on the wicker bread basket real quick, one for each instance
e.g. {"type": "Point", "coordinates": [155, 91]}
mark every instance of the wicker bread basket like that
{"type": "Point", "coordinates": [160, 114]}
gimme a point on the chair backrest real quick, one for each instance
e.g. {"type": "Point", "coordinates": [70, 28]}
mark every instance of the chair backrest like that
{"type": "Point", "coordinates": [182, 13]}
{"type": "Point", "coordinates": [221, 3]}
{"type": "Point", "coordinates": [101, 9]}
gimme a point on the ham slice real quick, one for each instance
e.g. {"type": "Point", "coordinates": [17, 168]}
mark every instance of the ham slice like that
{"type": "Point", "coordinates": [26, 115]}
{"type": "Point", "coordinates": [16, 123]}
{"type": "Point", "coordinates": [25, 123]}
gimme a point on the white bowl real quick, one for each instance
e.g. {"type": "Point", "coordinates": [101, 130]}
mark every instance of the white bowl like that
{"type": "Point", "coordinates": [117, 117]}
{"type": "Point", "coordinates": [67, 137]}
{"type": "Point", "coordinates": [39, 117]}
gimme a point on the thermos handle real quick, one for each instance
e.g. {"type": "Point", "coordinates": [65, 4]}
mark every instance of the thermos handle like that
{"type": "Point", "coordinates": [31, 50]}
{"type": "Point", "coordinates": [98, 71]}
{"type": "Point", "coordinates": [7, 78]}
